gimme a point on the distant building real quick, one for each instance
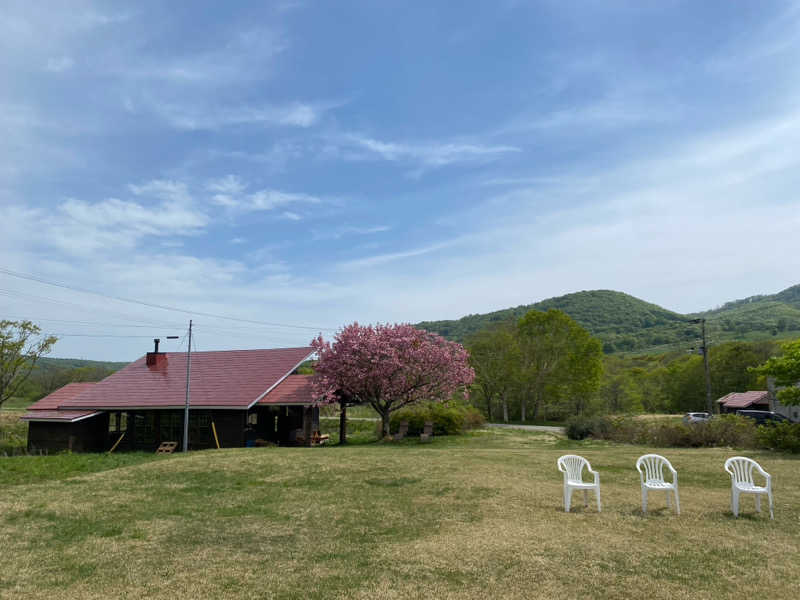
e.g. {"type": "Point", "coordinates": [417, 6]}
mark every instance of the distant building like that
{"type": "Point", "coordinates": [757, 400]}
{"type": "Point", "coordinates": [248, 395]}
{"type": "Point", "coordinates": [753, 400]}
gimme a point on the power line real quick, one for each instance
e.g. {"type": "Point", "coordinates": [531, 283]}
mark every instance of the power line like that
{"type": "Point", "coordinates": [32, 297]}
{"type": "Point", "coordinates": [103, 335]}
{"type": "Point", "coordinates": [89, 323]}
{"type": "Point", "coordinates": [41, 280]}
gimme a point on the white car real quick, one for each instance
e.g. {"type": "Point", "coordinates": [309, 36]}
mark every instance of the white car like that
{"type": "Point", "coordinates": [696, 417]}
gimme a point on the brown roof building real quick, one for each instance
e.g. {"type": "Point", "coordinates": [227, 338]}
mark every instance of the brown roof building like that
{"type": "Point", "coordinates": [245, 395]}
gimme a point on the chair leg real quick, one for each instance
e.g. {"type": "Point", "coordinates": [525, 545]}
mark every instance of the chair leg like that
{"type": "Point", "coordinates": [677, 502]}
{"type": "Point", "coordinates": [597, 493]}
{"type": "Point", "coordinates": [735, 503]}
{"type": "Point", "coordinates": [586, 498]}
{"type": "Point", "coordinates": [758, 502]}
{"type": "Point", "coordinates": [771, 512]}
{"type": "Point", "coordinates": [567, 498]}
{"type": "Point", "coordinates": [644, 500]}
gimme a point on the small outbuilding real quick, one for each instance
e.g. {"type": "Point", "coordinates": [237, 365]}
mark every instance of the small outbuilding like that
{"type": "Point", "coordinates": [237, 398]}
{"type": "Point", "coordinates": [752, 400]}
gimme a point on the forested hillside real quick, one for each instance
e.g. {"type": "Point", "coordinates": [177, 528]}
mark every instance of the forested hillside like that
{"type": "Point", "coordinates": [53, 373]}
{"type": "Point", "coordinates": [627, 324]}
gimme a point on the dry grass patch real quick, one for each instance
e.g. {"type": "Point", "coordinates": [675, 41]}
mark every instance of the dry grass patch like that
{"type": "Point", "coordinates": [472, 516]}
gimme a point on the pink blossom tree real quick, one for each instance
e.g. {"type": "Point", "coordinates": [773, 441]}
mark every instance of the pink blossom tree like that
{"type": "Point", "coordinates": [389, 366]}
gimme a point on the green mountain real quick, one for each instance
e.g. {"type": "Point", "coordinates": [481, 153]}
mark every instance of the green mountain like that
{"type": "Point", "coordinates": [627, 324]}
{"type": "Point", "coordinates": [78, 363]}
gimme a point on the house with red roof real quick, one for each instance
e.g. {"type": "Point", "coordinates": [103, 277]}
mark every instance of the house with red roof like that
{"type": "Point", "coordinates": [752, 400]}
{"type": "Point", "coordinates": [243, 395]}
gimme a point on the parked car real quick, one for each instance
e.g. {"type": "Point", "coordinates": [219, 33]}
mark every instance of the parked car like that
{"type": "Point", "coordinates": [696, 417]}
{"type": "Point", "coordinates": [763, 417]}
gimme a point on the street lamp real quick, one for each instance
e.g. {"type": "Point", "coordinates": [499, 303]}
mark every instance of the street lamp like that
{"type": "Point", "coordinates": [704, 349]}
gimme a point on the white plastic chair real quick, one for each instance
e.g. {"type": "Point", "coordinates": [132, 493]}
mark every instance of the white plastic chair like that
{"type": "Point", "coordinates": [741, 468]}
{"type": "Point", "coordinates": [572, 466]}
{"type": "Point", "coordinates": [651, 473]}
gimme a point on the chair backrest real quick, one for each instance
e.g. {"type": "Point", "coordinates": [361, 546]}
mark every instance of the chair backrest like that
{"type": "Point", "coordinates": [428, 429]}
{"type": "Point", "coordinates": [573, 465]}
{"type": "Point", "coordinates": [653, 465]}
{"type": "Point", "coordinates": [741, 468]}
{"type": "Point", "coordinates": [403, 427]}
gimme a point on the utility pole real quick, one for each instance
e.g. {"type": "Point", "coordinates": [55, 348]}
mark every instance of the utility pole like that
{"type": "Point", "coordinates": [704, 350]}
{"type": "Point", "coordinates": [186, 407]}
{"type": "Point", "coordinates": [709, 402]}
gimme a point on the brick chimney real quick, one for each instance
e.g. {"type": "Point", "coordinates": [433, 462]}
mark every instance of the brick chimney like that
{"type": "Point", "coordinates": [156, 359]}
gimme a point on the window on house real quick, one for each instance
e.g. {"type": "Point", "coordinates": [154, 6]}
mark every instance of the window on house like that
{"type": "Point", "coordinates": [117, 422]}
{"type": "Point", "coordinates": [171, 427]}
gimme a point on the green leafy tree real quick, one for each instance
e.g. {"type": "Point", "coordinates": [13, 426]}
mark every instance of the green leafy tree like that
{"type": "Point", "coordinates": [494, 356]}
{"type": "Point", "coordinates": [786, 371]}
{"type": "Point", "coordinates": [557, 355]}
{"type": "Point", "coordinates": [621, 390]}
{"type": "Point", "coordinates": [21, 346]}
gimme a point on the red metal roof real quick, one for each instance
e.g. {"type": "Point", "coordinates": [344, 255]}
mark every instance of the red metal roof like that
{"type": "Point", "coordinates": [295, 389]}
{"type": "Point", "coordinates": [744, 399]}
{"type": "Point", "coordinates": [227, 379]}
{"type": "Point", "coordinates": [54, 400]}
{"type": "Point", "coordinates": [68, 416]}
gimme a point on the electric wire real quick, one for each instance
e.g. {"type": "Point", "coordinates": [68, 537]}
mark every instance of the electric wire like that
{"type": "Point", "coordinates": [42, 280]}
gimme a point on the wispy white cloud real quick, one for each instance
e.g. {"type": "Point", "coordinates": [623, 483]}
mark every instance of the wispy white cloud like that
{"type": "Point", "coordinates": [191, 117]}
{"type": "Point", "coordinates": [163, 189]}
{"type": "Point", "coordinates": [227, 190]}
{"type": "Point", "coordinates": [382, 259]}
{"type": "Point", "coordinates": [231, 192]}
{"type": "Point", "coordinates": [429, 154]}
{"type": "Point", "coordinates": [59, 64]}
{"type": "Point", "coordinates": [244, 57]}
{"type": "Point", "coordinates": [340, 232]}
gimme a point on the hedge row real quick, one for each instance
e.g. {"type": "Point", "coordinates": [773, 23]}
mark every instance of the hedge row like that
{"type": "Point", "coordinates": [723, 430]}
{"type": "Point", "coordinates": [448, 419]}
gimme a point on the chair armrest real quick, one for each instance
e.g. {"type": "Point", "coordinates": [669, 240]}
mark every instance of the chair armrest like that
{"type": "Point", "coordinates": [761, 470]}
{"type": "Point", "coordinates": [596, 476]}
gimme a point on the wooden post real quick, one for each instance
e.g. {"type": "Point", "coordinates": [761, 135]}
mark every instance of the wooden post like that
{"type": "Point", "coordinates": [114, 447]}
{"type": "Point", "coordinates": [214, 429]}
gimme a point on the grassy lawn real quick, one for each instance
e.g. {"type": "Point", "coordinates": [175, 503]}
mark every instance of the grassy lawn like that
{"type": "Point", "coordinates": [474, 516]}
{"type": "Point", "coordinates": [13, 431]}
{"type": "Point", "coordinates": [16, 404]}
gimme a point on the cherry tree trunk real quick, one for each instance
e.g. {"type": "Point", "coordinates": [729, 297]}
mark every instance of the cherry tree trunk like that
{"type": "Point", "coordinates": [343, 424]}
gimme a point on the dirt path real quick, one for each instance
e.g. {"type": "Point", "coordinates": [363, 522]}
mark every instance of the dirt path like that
{"type": "Point", "coordinates": [527, 427]}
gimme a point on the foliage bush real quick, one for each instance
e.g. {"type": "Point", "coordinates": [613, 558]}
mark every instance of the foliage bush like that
{"type": "Point", "coordinates": [724, 430]}
{"type": "Point", "coordinates": [783, 436]}
{"type": "Point", "coordinates": [579, 428]}
{"type": "Point", "coordinates": [448, 418]}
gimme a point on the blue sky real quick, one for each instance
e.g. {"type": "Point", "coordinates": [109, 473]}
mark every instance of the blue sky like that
{"type": "Point", "coordinates": [312, 164]}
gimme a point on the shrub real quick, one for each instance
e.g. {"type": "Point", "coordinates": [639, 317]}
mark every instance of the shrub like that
{"type": "Point", "coordinates": [725, 430]}
{"type": "Point", "coordinates": [448, 419]}
{"type": "Point", "coordinates": [783, 436]}
{"type": "Point", "coordinates": [579, 428]}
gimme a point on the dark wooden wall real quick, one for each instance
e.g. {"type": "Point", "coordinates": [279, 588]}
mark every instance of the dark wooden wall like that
{"type": "Point", "coordinates": [88, 435]}
{"type": "Point", "coordinates": [145, 430]}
